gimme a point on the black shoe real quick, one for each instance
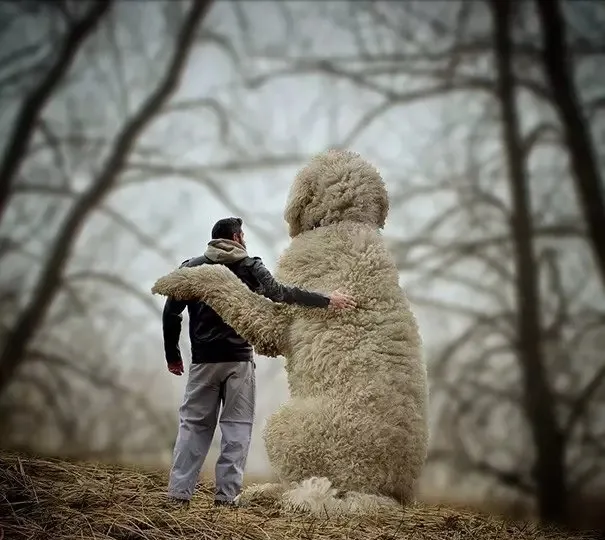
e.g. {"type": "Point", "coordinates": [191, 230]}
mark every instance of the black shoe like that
{"type": "Point", "coordinates": [230, 504]}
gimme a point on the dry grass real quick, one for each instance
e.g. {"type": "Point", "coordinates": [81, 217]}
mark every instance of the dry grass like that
{"type": "Point", "coordinates": [43, 498]}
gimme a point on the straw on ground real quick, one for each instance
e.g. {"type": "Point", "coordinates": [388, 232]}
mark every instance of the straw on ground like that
{"type": "Point", "coordinates": [52, 499]}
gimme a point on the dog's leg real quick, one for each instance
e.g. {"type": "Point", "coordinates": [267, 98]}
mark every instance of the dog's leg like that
{"type": "Point", "coordinates": [257, 319]}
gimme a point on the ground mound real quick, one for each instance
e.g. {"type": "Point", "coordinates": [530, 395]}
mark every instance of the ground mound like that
{"type": "Point", "coordinates": [52, 499]}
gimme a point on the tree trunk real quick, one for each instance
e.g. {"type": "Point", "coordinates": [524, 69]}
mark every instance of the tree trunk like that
{"type": "Point", "coordinates": [33, 105]}
{"type": "Point", "coordinates": [549, 466]}
{"type": "Point", "coordinates": [583, 156]}
{"type": "Point", "coordinates": [49, 282]}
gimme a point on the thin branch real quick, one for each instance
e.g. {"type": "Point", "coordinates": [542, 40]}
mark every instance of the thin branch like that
{"type": "Point", "coordinates": [583, 400]}
{"type": "Point", "coordinates": [212, 104]}
{"type": "Point", "coordinates": [223, 43]}
{"type": "Point", "coordinates": [584, 162]}
{"type": "Point", "coordinates": [130, 226]}
{"type": "Point", "coordinates": [51, 276]}
{"type": "Point", "coordinates": [539, 134]}
{"type": "Point", "coordinates": [483, 323]}
{"type": "Point", "coordinates": [453, 308]}
{"type": "Point", "coordinates": [79, 141]}
{"type": "Point", "coordinates": [54, 143]}
{"type": "Point", "coordinates": [204, 179]}
{"type": "Point", "coordinates": [25, 124]}
{"type": "Point", "coordinates": [595, 105]}
{"type": "Point", "coordinates": [259, 163]}
{"type": "Point", "coordinates": [18, 56]}
{"type": "Point", "coordinates": [511, 479]}
{"type": "Point", "coordinates": [392, 101]}
{"type": "Point", "coordinates": [114, 281]}
{"type": "Point", "coordinates": [547, 231]}
{"type": "Point", "coordinates": [99, 380]}
{"type": "Point", "coordinates": [478, 46]}
{"type": "Point", "coordinates": [366, 77]}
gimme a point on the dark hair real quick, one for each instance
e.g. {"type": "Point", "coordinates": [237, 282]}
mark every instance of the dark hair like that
{"type": "Point", "coordinates": [227, 228]}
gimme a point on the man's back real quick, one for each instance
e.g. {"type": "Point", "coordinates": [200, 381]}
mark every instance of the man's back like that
{"type": "Point", "coordinates": [213, 340]}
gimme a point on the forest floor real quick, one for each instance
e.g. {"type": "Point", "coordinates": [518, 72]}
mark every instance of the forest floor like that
{"type": "Point", "coordinates": [54, 499]}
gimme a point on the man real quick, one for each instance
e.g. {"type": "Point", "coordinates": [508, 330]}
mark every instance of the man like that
{"type": "Point", "coordinates": [222, 369]}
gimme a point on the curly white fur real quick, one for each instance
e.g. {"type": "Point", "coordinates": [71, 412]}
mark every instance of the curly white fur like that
{"type": "Point", "coordinates": [356, 422]}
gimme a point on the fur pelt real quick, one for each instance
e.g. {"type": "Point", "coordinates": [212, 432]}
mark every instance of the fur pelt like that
{"type": "Point", "coordinates": [354, 433]}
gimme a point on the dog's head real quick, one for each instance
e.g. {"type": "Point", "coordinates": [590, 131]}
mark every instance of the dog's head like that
{"type": "Point", "coordinates": [336, 186]}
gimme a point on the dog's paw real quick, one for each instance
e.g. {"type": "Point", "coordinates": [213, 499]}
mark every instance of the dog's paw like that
{"type": "Point", "coordinates": [261, 495]}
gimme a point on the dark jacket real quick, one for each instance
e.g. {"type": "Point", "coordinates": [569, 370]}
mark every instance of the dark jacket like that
{"type": "Point", "coordinates": [213, 340]}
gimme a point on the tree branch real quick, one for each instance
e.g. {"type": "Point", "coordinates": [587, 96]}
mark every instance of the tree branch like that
{"type": "Point", "coordinates": [51, 276]}
{"type": "Point", "coordinates": [127, 224]}
{"type": "Point", "coordinates": [114, 281]}
{"type": "Point", "coordinates": [148, 171]}
{"type": "Point", "coordinates": [98, 380]}
{"type": "Point", "coordinates": [583, 399]}
{"type": "Point", "coordinates": [507, 478]}
{"type": "Point", "coordinates": [588, 180]}
{"type": "Point", "coordinates": [25, 124]}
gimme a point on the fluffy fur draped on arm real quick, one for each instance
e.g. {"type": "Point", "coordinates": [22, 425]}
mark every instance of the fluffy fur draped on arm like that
{"type": "Point", "coordinates": [257, 319]}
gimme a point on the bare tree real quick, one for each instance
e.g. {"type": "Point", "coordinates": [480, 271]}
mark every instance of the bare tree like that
{"type": "Point", "coordinates": [557, 61]}
{"type": "Point", "coordinates": [26, 123]}
{"type": "Point", "coordinates": [52, 206]}
{"type": "Point", "coordinates": [537, 394]}
{"type": "Point", "coordinates": [77, 389]}
{"type": "Point", "coordinates": [77, 405]}
{"type": "Point", "coordinates": [504, 353]}
{"type": "Point", "coordinates": [50, 279]}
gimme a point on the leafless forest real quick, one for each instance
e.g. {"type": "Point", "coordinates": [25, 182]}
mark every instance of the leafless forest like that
{"type": "Point", "coordinates": [128, 128]}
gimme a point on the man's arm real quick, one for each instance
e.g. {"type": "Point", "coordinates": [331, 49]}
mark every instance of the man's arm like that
{"type": "Point", "coordinates": [171, 326]}
{"type": "Point", "coordinates": [277, 292]}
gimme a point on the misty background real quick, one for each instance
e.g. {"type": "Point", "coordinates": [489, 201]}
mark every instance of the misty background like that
{"type": "Point", "coordinates": [129, 128]}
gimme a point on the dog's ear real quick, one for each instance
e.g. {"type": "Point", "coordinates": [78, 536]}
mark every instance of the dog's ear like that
{"type": "Point", "coordinates": [300, 197]}
{"type": "Point", "coordinates": [383, 211]}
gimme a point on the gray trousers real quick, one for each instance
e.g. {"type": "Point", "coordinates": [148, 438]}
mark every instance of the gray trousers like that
{"type": "Point", "coordinates": [232, 384]}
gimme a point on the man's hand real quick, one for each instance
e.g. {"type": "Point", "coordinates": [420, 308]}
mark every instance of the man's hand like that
{"type": "Point", "coordinates": [176, 368]}
{"type": "Point", "coordinates": [340, 300]}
